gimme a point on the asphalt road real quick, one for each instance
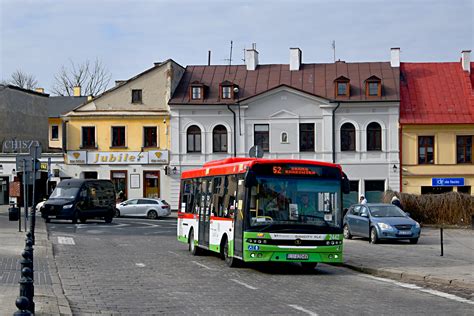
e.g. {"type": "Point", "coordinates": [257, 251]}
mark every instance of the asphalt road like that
{"type": "Point", "coordinates": [136, 266]}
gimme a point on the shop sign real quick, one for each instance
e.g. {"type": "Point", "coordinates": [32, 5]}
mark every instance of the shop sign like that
{"type": "Point", "coordinates": [19, 146]}
{"type": "Point", "coordinates": [77, 157]}
{"type": "Point", "coordinates": [158, 156]}
{"type": "Point", "coordinates": [447, 182]}
{"type": "Point", "coordinates": [117, 158]}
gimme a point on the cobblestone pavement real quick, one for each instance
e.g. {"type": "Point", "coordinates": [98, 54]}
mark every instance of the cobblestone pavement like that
{"type": "Point", "coordinates": [136, 267]}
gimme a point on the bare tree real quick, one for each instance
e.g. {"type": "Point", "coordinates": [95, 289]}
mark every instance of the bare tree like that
{"type": "Point", "coordinates": [23, 80]}
{"type": "Point", "coordinates": [93, 78]}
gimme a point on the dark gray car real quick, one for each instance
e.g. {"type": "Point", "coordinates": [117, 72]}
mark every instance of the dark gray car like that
{"type": "Point", "coordinates": [380, 221]}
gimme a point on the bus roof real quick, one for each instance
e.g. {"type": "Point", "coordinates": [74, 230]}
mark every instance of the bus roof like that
{"type": "Point", "coordinates": [236, 165]}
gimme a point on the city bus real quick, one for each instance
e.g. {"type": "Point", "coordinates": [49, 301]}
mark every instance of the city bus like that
{"type": "Point", "coordinates": [264, 210]}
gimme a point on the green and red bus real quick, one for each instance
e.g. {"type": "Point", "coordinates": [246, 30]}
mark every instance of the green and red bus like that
{"type": "Point", "coordinates": [264, 210]}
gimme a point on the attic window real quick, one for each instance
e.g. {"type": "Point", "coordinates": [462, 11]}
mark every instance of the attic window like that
{"type": "Point", "coordinates": [136, 96]}
{"type": "Point", "coordinates": [226, 92]}
{"type": "Point", "coordinates": [373, 87]}
{"type": "Point", "coordinates": [342, 86]}
{"type": "Point", "coordinates": [196, 91]}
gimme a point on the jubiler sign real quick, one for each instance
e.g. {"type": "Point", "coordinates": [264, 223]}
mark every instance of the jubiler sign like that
{"type": "Point", "coordinates": [118, 157]}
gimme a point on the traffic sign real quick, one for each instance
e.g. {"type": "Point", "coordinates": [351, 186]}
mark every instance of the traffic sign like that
{"type": "Point", "coordinates": [256, 152]}
{"type": "Point", "coordinates": [26, 161]}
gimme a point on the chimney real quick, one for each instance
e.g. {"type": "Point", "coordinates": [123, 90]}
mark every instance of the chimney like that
{"type": "Point", "coordinates": [89, 98]}
{"type": "Point", "coordinates": [39, 90]}
{"type": "Point", "coordinates": [295, 59]}
{"type": "Point", "coordinates": [466, 60]}
{"type": "Point", "coordinates": [395, 57]}
{"type": "Point", "coordinates": [119, 82]}
{"type": "Point", "coordinates": [251, 57]}
{"type": "Point", "coordinates": [77, 91]}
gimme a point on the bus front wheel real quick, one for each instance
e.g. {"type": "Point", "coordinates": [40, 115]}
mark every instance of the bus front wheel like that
{"type": "Point", "coordinates": [192, 246]}
{"type": "Point", "coordinates": [309, 266]}
{"type": "Point", "coordinates": [230, 261]}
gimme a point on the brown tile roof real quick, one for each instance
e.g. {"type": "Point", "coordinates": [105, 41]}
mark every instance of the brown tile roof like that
{"type": "Point", "coordinates": [436, 93]}
{"type": "Point", "coordinates": [314, 79]}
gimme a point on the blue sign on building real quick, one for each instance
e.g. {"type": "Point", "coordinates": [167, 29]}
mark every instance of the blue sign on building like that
{"type": "Point", "coordinates": [447, 182]}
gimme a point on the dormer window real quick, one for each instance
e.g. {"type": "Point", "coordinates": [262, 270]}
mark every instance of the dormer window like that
{"type": "Point", "coordinates": [342, 86]}
{"type": "Point", "coordinates": [373, 87]}
{"type": "Point", "coordinates": [196, 91]}
{"type": "Point", "coordinates": [136, 96]}
{"type": "Point", "coordinates": [227, 90]}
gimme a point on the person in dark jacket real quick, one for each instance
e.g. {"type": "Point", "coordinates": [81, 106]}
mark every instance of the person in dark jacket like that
{"type": "Point", "coordinates": [396, 202]}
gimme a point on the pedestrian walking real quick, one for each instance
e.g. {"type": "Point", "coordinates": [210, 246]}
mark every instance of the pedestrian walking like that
{"type": "Point", "coordinates": [396, 202]}
{"type": "Point", "coordinates": [362, 200]}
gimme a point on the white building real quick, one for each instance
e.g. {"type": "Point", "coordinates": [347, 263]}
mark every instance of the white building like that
{"type": "Point", "coordinates": [339, 112]}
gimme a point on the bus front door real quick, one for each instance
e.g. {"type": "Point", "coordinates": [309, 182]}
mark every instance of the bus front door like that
{"type": "Point", "coordinates": [205, 214]}
{"type": "Point", "coordinates": [239, 219]}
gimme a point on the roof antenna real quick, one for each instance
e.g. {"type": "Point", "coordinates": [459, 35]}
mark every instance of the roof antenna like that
{"type": "Point", "coordinates": [333, 45]}
{"type": "Point", "coordinates": [230, 56]}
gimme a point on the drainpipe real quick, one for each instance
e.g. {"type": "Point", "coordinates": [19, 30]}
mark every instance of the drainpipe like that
{"type": "Point", "coordinates": [400, 155]}
{"type": "Point", "coordinates": [235, 131]}
{"type": "Point", "coordinates": [334, 132]}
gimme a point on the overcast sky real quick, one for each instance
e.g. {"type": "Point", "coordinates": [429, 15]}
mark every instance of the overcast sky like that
{"type": "Point", "coordinates": [38, 36]}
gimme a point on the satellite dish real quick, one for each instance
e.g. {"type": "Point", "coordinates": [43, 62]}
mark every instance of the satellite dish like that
{"type": "Point", "coordinates": [256, 152]}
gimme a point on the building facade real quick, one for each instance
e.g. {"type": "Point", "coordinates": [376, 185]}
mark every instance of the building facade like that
{"type": "Point", "coordinates": [340, 112]}
{"type": "Point", "coordinates": [437, 126]}
{"type": "Point", "coordinates": [123, 134]}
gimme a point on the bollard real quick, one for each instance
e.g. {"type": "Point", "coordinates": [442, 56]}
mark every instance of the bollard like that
{"type": "Point", "coordinates": [32, 225]}
{"type": "Point", "coordinates": [27, 288]}
{"type": "Point", "coordinates": [22, 304]}
{"type": "Point", "coordinates": [26, 261]}
{"type": "Point", "coordinates": [441, 240]}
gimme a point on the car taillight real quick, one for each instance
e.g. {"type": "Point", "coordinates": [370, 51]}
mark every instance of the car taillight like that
{"type": "Point", "coordinates": [165, 206]}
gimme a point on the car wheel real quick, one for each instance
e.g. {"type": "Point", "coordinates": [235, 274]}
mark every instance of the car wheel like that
{"type": "Point", "coordinates": [152, 214]}
{"type": "Point", "coordinates": [309, 266]}
{"type": "Point", "coordinates": [347, 232]}
{"type": "Point", "coordinates": [47, 219]}
{"type": "Point", "coordinates": [195, 251]}
{"type": "Point", "coordinates": [117, 213]}
{"type": "Point", "coordinates": [83, 220]}
{"type": "Point", "coordinates": [108, 219]}
{"type": "Point", "coordinates": [414, 241]}
{"type": "Point", "coordinates": [374, 238]}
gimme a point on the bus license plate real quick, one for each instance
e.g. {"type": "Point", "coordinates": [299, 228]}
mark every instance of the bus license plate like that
{"type": "Point", "coordinates": [297, 256]}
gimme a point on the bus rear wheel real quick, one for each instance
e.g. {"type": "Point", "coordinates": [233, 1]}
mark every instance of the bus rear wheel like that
{"type": "Point", "coordinates": [195, 250]}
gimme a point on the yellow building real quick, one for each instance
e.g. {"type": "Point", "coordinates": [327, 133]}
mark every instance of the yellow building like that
{"type": "Point", "coordinates": [123, 134]}
{"type": "Point", "coordinates": [437, 127]}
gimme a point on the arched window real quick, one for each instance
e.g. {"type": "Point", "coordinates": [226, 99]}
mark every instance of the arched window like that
{"type": "Point", "coordinates": [348, 141]}
{"type": "Point", "coordinates": [374, 136]}
{"type": "Point", "coordinates": [194, 139]}
{"type": "Point", "coordinates": [219, 139]}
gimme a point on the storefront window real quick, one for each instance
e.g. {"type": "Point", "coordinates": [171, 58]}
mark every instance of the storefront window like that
{"type": "Point", "coordinates": [119, 179]}
{"type": "Point", "coordinates": [152, 184]}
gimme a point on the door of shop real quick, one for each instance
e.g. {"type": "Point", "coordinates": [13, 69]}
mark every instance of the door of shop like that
{"type": "Point", "coordinates": [151, 184]}
{"type": "Point", "coordinates": [119, 179]}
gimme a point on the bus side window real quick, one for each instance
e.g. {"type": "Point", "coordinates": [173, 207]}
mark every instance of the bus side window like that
{"type": "Point", "coordinates": [188, 195]}
{"type": "Point", "coordinates": [218, 197]}
{"type": "Point", "coordinates": [230, 196]}
{"type": "Point", "coordinates": [196, 196]}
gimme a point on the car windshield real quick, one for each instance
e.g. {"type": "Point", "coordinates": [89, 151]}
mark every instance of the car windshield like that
{"type": "Point", "coordinates": [277, 200]}
{"type": "Point", "coordinates": [386, 211]}
{"type": "Point", "coordinates": [64, 193]}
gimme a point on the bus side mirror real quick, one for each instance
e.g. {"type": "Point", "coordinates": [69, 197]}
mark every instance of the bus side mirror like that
{"type": "Point", "coordinates": [250, 179]}
{"type": "Point", "coordinates": [346, 185]}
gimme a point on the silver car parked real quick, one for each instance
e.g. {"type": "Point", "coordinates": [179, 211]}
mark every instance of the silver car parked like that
{"type": "Point", "coordinates": [151, 208]}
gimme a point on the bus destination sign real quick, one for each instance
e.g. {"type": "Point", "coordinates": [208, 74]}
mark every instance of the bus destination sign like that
{"type": "Point", "coordinates": [294, 170]}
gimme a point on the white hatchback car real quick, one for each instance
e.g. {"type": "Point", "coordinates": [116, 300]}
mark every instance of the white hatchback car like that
{"type": "Point", "coordinates": [151, 208]}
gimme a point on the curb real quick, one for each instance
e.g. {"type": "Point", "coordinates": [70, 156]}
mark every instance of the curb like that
{"type": "Point", "coordinates": [410, 277]}
{"type": "Point", "coordinates": [63, 304]}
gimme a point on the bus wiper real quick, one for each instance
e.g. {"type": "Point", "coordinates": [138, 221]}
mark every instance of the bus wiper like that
{"type": "Point", "coordinates": [265, 227]}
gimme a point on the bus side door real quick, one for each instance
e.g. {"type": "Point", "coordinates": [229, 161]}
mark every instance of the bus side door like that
{"type": "Point", "coordinates": [205, 212]}
{"type": "Point", "coordinates": [239, 218]}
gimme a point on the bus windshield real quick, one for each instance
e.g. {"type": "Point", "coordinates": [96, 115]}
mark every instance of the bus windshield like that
{"type": "Point", "coordinates": [286, 200]}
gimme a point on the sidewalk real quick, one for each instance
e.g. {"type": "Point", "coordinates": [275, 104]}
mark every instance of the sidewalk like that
{"type": "Point", "coordinates": [49, 297]}
{"type": "Point", "coordinates": [418, 263]}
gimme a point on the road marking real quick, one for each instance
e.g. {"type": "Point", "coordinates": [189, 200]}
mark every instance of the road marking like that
{"type": "Point", "coordinates": [141, 265]}
{"type": "Point", "coordinates": [174, 253]}
{"type": "Point", "coordinates": [303, 310]}
{"type": "Point", "coordinates": [421, 289]}
{"type": "Point", "coordinates": [66, 240]}
{"type": "Point", "coordinates": [242, 283]}
{"type": "Point", "coordinates": [202, 265]}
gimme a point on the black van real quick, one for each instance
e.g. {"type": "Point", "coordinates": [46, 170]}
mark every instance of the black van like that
{"type": "Point", "coordinates": [80, 199]}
